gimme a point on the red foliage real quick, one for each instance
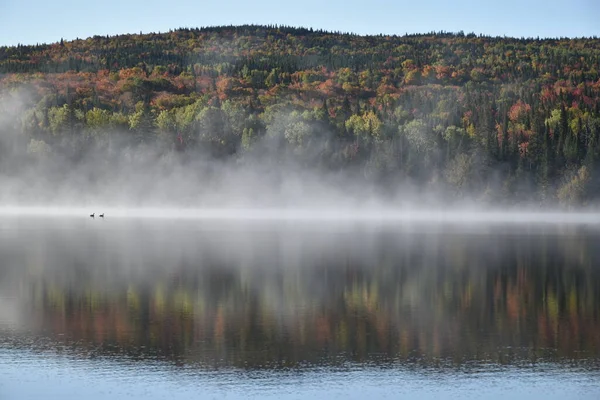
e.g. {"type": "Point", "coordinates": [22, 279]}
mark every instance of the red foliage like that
{"type": "Point", "coordinates": [518, 111]}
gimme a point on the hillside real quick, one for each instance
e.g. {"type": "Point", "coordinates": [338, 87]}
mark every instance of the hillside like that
{"type": "Point", "coordinates": [493, 119]}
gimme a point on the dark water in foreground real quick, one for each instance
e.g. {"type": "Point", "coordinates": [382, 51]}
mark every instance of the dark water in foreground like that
{"type": "Point", "coordinates": [120, 308]}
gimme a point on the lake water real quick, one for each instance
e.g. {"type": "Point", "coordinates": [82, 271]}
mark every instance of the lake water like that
{"type": "Point", "coordinates": [292, 309]}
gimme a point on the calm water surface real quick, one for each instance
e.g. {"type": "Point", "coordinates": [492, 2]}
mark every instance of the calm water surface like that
{"type": "Point", "coordinates": [122, 308]}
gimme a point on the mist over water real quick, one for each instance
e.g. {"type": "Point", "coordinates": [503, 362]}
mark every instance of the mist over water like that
{"type": "Point", "coordinates": [341, 215]}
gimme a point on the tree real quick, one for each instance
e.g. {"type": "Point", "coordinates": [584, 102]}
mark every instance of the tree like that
{"type": "Point", "coordinates": [573, 192]}
{"type": "Point", "coordinates": [142, 124]}
{"type": "Point", "coordinates": [61, 119]}
{"type": "Point", "coordinates": [366, 127]}
{"type": "Point", "coordinates": [39, 149]}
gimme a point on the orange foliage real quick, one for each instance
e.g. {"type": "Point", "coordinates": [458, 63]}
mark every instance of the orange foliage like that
{"type": "Point", "coordinates": [518, 111]}
{"type": "Point", "coordinates": [135, 72]}
{"type": "Point", "coordinates": [327, 87]}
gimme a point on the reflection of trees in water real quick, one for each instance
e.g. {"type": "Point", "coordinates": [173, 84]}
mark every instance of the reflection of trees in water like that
{"type": "Point", "coordinates": [283, 299]}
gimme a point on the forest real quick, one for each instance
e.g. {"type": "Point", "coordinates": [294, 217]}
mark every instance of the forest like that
{"type": "Point", "coordinates": [497, 120]}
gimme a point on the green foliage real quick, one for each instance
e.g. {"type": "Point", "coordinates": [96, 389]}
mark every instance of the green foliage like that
{"type": "Point", "coordinates": [366, 127]}
{"type": "Point", "coordinates": [573, 192]}
{"type": "Point", "coordinates": [98, 120]}
{"type": "Point", "coordinates": [297, 133]}
{"type": "Point", "coordinates": [60, 119]}
{"type": "Point", "coordinates": [419, 136]}
{"type": "Point", "coordinates": [248, 138]}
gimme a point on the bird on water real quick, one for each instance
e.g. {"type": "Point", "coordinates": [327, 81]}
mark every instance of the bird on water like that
{"type": "Point", "coordinates": [92, 215]}
{"type": "Point", "coordinates": [101, 215]}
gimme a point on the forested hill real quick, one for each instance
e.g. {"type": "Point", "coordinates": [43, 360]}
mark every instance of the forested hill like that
{"type": "Point", "coordinates": [497, 119]}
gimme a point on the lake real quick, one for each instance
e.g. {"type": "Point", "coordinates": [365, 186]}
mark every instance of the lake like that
{"type": "Point", "coordinates": [293, 309]}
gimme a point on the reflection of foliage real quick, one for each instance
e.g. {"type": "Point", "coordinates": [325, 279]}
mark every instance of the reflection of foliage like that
{"type": "Point", "coordinates": [437, 297]}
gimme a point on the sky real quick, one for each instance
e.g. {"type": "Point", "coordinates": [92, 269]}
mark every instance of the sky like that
{"type": "Point", "coordinates": [43, 21]}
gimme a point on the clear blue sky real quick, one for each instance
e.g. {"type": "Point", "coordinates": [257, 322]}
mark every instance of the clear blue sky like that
{"type": "Point", "coordinates": [45, 21]}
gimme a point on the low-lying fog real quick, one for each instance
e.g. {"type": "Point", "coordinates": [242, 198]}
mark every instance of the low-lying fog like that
{"type": "Point", "coordinates": [112, 174]}
{"type": "Point", "coordinates": [364, 214]}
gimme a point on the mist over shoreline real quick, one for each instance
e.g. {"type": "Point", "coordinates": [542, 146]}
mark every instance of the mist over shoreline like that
{"type": "Point", "coordinates": [430, 122]}
{"type": "Point", "coordinates": [266, 182]}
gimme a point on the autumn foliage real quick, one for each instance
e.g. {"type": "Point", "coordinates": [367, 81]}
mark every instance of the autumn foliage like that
{"type": "Point", "coordinates": [514, 113]}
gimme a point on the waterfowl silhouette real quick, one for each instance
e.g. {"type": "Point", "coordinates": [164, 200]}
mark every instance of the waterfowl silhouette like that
{"type": "Point", "coordinates": [101, 215]}
{"type": "Point", "coordinates": [92, 215]}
